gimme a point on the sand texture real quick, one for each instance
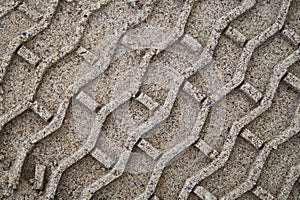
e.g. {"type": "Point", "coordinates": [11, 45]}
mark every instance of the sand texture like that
{"type": "Point", "coordinates": [150, 99]}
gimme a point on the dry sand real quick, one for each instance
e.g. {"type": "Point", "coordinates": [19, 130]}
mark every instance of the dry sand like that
{"type": "Point", "coordinates": [150, 99]}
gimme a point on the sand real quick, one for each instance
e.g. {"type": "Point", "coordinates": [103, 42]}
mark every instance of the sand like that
{"type": "Point", "coordinates": [150, 99]}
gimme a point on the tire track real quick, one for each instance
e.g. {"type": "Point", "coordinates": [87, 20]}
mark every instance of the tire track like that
{"type": "Point", "coordinates": [278, 73]}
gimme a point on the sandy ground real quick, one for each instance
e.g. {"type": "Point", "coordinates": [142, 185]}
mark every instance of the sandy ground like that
{"type": "Point", "coordinates": [150, 99]}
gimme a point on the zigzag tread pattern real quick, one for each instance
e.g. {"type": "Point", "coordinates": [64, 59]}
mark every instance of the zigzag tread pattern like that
{"type": "Point", "coordinates": [152, 112]}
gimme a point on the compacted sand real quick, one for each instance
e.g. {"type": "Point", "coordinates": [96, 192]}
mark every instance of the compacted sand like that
{"type": "Point", "coordinates": [150, 99]}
